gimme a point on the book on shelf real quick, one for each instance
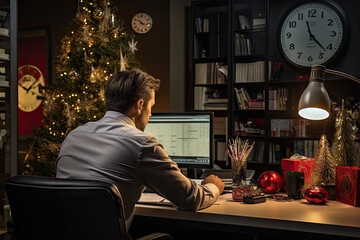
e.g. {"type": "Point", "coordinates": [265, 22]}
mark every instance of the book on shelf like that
{"type": "Point", "coordinates": [250, 72]}
{"type": "Point", "coordinates": [244, 22]}
{"type": "Point", "coordinates": [201, 25]}
{"type": "Point", "coordinates": [221, 151]}
{"type": "Point", "coordinates": [242, 45]}
{"type": "Point", "coordinates": [4, 32]}
{"type": "Point", "coordinates": [220, 125]}
{"type": "Point", "coordinates": [4, 83]}
{"type": "Point", "coordinates": [278, 98]}
{"type": "Point", "coordinates": [244, 101]}
{"type": "Point", "coordinates": [288, 127]}
{"type": "Point", "coordinates": [3, 55]}
{"type": "Point", "coordinates": [257, 154]}
{"type": "Point", "coordinates": [210, 73]}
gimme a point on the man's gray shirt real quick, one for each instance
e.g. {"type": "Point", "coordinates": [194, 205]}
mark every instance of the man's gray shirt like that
{"type": "Point", "coordinates": [113, 150]}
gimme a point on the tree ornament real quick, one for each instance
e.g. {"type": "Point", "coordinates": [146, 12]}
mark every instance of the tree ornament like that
{"type": "Point", "coordinates": [345, 150]}
{"type": "Point", "coordinates": [122, 62]}
{"type": "Point", "coordinates": [324, 172]}
{"type": "Point", "coordinates": [93, 75]}
{"type": "Point", "coordinates": [86, 33]}
{"type": "Point", "coordinates": [98, 14]}
{"type": "Point", "coordinates": [316, 195]}
{"type": "Point", "coordinates": [270, 182]}
{"type": "Point", "coordinates": [133, 46]}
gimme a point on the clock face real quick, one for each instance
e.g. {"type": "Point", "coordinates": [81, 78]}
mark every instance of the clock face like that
{"type": "Point", "coordinates": [312, 33]}
{"type": "Point", "coordinates": [30, 84]}
{"type": "Point", "coordinates": [141, 23]}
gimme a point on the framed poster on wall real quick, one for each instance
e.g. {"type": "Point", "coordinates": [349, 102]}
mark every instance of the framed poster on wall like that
{"type": "Point", "coordinates": [33, 76]}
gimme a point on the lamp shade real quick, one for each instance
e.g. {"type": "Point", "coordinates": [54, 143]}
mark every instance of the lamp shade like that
{"type": "Point", "coordinates": [314, 103]}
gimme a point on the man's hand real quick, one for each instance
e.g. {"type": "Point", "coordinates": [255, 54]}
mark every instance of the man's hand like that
{"type": "Point", "coordinates": [215, 180]}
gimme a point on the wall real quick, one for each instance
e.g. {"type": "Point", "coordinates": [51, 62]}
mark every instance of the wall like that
{"type": "Point", "coordinates": [153, 53]}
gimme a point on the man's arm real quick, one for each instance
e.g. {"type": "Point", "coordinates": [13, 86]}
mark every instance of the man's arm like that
{"type": "Point", "coordinates": [160, 173]}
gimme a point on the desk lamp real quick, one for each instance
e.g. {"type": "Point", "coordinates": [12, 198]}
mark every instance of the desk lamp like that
{"type": "Point", "coordinates": [314, 103]}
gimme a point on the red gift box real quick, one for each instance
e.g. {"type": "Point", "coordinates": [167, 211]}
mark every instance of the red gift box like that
{"type": "Point", "coordinates": [347, 185]}
{"type": "Point", "coordinates": [300, 165]}
{"type": "Point", "coordinates": [239, 193]}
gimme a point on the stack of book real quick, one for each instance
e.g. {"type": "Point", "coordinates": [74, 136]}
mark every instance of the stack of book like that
{"type": "Point", "coordinates": [203, 100]}
{"type": "Point", "coordinates": [259, 23]}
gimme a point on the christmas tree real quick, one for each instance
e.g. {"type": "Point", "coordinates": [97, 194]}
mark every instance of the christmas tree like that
{"type": "Point", "coordinates": [94, 47]}
{"type": "Point", "coordinates": [345, 150]}
{"type": "Point", "coordinates": [324, 172]}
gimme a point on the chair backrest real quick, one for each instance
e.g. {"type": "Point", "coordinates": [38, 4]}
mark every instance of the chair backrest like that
{"type": "Point", "coordinates": [53, 208]}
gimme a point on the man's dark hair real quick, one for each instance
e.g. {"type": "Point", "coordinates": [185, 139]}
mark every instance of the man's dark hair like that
{"type": "Point", "coordinates": [124, 88]}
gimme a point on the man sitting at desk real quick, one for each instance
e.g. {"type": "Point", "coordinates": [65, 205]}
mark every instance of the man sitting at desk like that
{"type": "Point", "coordinates": [115, 149]}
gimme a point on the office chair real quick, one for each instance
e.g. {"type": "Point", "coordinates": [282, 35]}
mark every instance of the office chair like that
{"type": "Point", "coordinates": [52, 209]}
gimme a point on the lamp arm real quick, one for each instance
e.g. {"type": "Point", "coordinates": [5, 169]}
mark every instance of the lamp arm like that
{"type": "Point", "coordinates": [342, 75]}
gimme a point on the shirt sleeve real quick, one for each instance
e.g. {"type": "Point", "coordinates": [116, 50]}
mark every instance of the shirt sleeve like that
{"type": "Point", "coordinates": [161, 174]}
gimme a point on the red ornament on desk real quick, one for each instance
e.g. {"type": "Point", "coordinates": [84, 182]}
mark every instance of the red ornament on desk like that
{"type": "Point", "coordinates": [270, 182]}
{"type": "Point", "coordinates": [317, 195]}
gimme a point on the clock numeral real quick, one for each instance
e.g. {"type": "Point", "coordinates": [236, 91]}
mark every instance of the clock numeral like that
{"type": "Point", "coordinates": [292, 24]}
{"type": "Point", "coordinates": [329, 46]}
{"type": "Point", "coordinates": [312, 13]}
{"type": "Point", "coordinates": [300, 16]}
{"type": "Point", "coordinates": [310, 58]}
{"type": "Point", "coordinates": [288, 35]}
{"type": "Point", "coordinates": [322, 14]}
{"type": "Point", "coordinates": [321, 55]}
{"type": "Point", "coordinates": [333, 33]}
{"type": "Point", "coordinates": [330, 22]}
{"type": "Point", "coordinates": [291, 46]}
{"type": "Point", "coordinates": [299, 54]}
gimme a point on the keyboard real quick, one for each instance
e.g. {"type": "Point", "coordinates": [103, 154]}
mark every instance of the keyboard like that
{"type": "Point", "coordinates": [225, 173]}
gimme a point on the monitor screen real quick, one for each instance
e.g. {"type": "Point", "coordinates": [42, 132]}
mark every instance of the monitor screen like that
{"type": "Point", "coordinates": [187, 137]}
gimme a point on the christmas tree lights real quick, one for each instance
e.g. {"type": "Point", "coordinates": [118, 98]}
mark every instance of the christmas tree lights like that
{"type": "Point", "coordinates": [94, 46]}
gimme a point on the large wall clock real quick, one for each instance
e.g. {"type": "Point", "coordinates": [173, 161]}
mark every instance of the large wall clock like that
{"type": "Point", "coordinates": [312, 33]}
{"type": "Point", "coordinates": [30, 86]}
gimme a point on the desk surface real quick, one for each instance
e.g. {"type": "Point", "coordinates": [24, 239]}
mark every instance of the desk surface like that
{"type": "Point", "coordinates": [333, 218]}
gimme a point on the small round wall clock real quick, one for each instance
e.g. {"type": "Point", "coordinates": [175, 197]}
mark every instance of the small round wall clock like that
{"type": "Point", "coordinates": [141, 23]}
{"type": "Point", "coordinates": [312, 33]}
{"type": "Point", "coordinates": [30, 84]}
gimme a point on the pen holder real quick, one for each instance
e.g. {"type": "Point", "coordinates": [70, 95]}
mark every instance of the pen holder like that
{"type": "Point", "coordinates": [239, 173]}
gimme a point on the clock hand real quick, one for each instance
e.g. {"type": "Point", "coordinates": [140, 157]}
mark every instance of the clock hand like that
{"type": "Point", "coordinates": [312, 37]}
{"type": "Point", "coordinates": [33, 84]}
{"type": "Point", "coordinates": [318, 43]}
{"type": "Point", "coordinates": [23, 88]}
{"type": "Point", "coordinates": [308, 27]}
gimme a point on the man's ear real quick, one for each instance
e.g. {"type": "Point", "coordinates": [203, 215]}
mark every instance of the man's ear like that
{"type": "Point", "coordinates": [139, 105]}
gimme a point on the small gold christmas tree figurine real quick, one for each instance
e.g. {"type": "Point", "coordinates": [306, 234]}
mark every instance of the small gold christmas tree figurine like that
{"type": "Point", "coordinates": [345, 151]}
{"type": "Point", "coordinates": [324, 172]}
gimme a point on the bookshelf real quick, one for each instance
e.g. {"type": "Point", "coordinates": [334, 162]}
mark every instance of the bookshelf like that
{"type": "Point", "coordinates": [262, 88]}
{"type": "Point", "coordinates": [8, 98]}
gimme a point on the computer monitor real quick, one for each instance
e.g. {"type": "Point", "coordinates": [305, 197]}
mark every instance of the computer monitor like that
{"type": "Point", "coordinates": [187, 137]}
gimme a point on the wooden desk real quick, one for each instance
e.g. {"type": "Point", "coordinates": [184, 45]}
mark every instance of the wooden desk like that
{"type": "Point", "coordinates": [333, 219]}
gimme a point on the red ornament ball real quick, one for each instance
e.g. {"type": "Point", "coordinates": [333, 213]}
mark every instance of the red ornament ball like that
{"type": "Point", "coordinates": [270, 182]}
{"type": "Point", "coordinates": [317, 195]}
